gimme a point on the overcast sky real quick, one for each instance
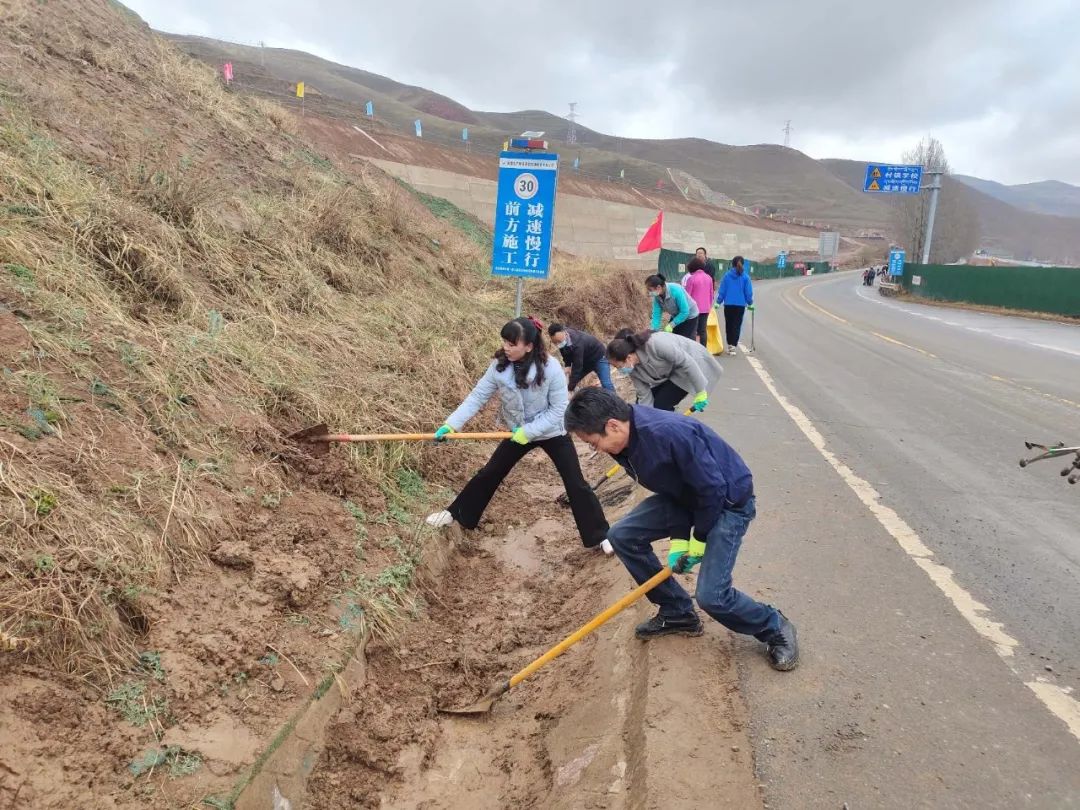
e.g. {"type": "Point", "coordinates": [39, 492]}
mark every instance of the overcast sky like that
{"type": "Point", "coordinates": [864, 80]}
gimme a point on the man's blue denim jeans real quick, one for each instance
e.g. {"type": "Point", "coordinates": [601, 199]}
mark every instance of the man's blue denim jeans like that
{"type": "Point", "coordinates": [658, 517]}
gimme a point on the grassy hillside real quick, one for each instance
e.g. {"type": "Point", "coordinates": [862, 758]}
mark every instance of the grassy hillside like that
{"type": "Point", "coordinates": [1046, 197]}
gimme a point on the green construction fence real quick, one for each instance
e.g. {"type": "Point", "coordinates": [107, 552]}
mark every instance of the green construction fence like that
{"type": "Point", "coordinates": [672, 266]}
{"type": "Point", "coordinates": [1055, 290]}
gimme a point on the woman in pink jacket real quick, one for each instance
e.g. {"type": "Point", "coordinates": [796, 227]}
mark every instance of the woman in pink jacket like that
{"type": "Point", "coordinates": [699, 286]}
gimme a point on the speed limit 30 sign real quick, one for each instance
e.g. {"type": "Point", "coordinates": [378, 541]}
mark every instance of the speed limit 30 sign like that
{"type": "Point", "coordinates": [524, 214]}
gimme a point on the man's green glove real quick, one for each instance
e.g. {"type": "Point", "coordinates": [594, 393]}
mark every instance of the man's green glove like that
{"type": "Point", "coordinates": [443, 432]}
{"type": "Point", "coordinates": [676, 552]}
{"type": "Point", "coordinates": [751, 307]}
{"type": "Point", "coordinates": [519, 437]}
{"type": "Point", "coordinates": [701, 402]}
{"type": "Point", "coordinates": [669, 328]}
{"type": "Point", "coordinates": [693, 556]}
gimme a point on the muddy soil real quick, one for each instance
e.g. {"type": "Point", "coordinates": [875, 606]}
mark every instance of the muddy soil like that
{"type": "Point", "coordinates": [613, 723]}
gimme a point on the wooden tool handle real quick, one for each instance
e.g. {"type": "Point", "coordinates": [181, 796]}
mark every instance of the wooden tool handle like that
{"type": "Point", "coordinates": [596, 621]}
{"type": "Point", "coordinates": [406, 437]}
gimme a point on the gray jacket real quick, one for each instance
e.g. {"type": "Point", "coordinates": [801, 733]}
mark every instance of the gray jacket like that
{"type": "Point", "coordinates": [667, 356]}
{"type": "Point", "coordinates": [539, 409]}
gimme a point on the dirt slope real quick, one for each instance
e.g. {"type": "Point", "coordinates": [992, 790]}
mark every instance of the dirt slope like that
{"type": "Point", "coordinates": [183, 281]}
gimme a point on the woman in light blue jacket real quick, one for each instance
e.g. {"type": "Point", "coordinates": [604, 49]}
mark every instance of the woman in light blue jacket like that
{"type": "Point", "coordinates": [533, 398]}
{"type": "Point", "coordinates": [672, 299]}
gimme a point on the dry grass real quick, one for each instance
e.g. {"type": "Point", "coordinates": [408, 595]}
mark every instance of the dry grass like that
{"type": "Point", "coordinates": [184, 313]}
{"type": "Point", "coordinates": [195, 282]}
{"type": "Point", "coordinates": [592, 296]}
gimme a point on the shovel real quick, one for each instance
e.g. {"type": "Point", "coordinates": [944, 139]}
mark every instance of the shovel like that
{"type": "Point", "coordinates": [483, 706]}
{"type": "Point", "coordinates": [319, 437]}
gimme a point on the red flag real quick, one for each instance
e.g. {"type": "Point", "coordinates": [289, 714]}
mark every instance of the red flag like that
{"type": "Point", "coordinates": [654, 236]}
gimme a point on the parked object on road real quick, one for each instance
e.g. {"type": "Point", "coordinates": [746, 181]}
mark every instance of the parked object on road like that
{"type": "Point", "coordinates": [1057, 451]}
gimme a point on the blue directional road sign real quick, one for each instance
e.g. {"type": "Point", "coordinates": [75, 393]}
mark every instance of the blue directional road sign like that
{"type": "Point", "coordinates": [896, 262]}
{"type": "Point", "coordinates": [524, 214]}
{"type": "Point", "coordinates": [781, 260]}
{"type": "Point", "coordinates": [885, 178]}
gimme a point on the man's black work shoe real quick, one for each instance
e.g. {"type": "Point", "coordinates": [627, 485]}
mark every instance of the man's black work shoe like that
{"type": "Point", "coordinates": [689, 625]}
{"type": "Point", "coordinates": [782, 646]}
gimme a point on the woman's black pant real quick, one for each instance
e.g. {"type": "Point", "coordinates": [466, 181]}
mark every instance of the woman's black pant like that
{"type": "Point", "coordinates": [733, 318]}
{"type": "Point", "coordinates": [703, 328]}
{"type": "Point", "coordinates": [667, 395]}
{"type": "Point", "coordinates": [469, 506]}
{"type": "Point", "coordinates": [688, 328]}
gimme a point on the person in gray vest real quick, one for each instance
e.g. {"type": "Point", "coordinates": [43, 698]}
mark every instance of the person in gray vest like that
{"type": "Point", "coordinates": [665, 368]}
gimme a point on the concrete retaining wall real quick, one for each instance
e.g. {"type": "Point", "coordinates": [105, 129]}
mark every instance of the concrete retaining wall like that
{"type": "Point", "coordinates": [586, 226]}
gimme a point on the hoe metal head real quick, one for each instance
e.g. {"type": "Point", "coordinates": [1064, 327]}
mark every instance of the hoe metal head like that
{"type": "Point", "coordinates": [307, 437]}
{"type": "Point", "coordinates": [483, 705]}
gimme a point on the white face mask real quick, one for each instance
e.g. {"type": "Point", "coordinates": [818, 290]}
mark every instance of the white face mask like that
{"type": "Point", "coordinates": [561, 345]}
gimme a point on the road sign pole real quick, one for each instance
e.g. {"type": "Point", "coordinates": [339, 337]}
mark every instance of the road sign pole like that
{"type": "Point", "coordinates": [517, 297]}
{"type": "Point", "coordinates": [935, 189]}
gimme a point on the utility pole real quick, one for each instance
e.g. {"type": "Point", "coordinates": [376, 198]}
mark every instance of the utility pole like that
{"type": "Point", "coordinates": [934, 190]}
{"type": "Point", "coordinates": [571, 131]}
{"type": "Point", "coordinates": [787, 133]}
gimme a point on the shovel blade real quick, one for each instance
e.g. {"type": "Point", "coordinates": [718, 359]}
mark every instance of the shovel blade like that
{"type": "Point", "coordinates": [482, 706]}
{"type": "Point", "coordinates": [307, 437]}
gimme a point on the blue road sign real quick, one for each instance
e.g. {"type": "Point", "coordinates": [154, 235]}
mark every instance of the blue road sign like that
{"type": "Point", "coordinates": [781, 260]}
{"type": "Point", "coordinates": [369, 109]}
{"type": "Point", "coordinates": [896, 262]}
{"type": "Point", "coordinates": [885, 178]}
{"type": "Point", "coordinates": [464, 133]}
{"type": "Point", "coordinates": [524, 214]}
{"type": "Point", "coordinates": [419, 128]}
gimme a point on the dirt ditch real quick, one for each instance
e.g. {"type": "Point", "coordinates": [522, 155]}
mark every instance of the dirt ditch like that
{"type": "Point", "coordinates": [612, 724]}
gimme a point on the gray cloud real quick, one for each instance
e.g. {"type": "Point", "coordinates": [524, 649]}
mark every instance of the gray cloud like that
{"type": "Point", "coordinates": [863, 80]}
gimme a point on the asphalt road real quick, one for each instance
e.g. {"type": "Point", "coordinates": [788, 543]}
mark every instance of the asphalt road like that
{"type": "Point", "coordinates": [936, 585]}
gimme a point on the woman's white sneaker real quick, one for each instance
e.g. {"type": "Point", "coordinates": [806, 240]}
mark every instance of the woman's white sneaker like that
{"type": "Point", "coordinates": [440, 520]}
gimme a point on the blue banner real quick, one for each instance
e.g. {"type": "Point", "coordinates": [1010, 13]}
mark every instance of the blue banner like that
{"type": "Point", "coordinates": [886, 178]}
{"type": "Point", "coordinates": [524, 214]}
{"type": "Point", "coordinates": [369, 109]}
{"type": "Point", "coordinates": [419, 131]}
{"type": "Point", "coordinates": [896, 262]}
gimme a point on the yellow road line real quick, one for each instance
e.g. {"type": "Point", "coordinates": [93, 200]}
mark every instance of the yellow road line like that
{"type": "Point", "coordinates": [802, 295]}
{"type": "Point", "coordinates": [905, 345]}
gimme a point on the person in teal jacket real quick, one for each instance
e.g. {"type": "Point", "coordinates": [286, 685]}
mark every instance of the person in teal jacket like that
{"type": "Point", "coordinates": [672, 299]}
{"type": "Point", "coordinates": [737, 295]}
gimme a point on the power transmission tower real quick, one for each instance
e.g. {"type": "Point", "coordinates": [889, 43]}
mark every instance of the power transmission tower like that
{"type": "Point", "coordinates": [787, 133]}
{"type": "Point", "coordinates": [571, 131]}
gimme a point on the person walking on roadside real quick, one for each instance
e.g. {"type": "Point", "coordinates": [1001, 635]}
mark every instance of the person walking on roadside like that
{"type": "Point", "coordinates": [710, 266]}
{"type": "Point", "coordinates": [703, 500]}
{"type": "Point", "coordinates": [672, 299]}
{"type": "Point", "coordinates": [583, 354]}
{"type": "Point", "coordinates": [737, 295]}
{"type": "Point", "coordinates": [699, 287]}
{"type": "Point", "coordinates": [532, 390]}
{"type": "Point", "coordinates": [665, 368]}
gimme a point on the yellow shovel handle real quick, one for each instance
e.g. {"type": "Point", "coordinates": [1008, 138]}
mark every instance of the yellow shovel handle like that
{"type": "Point", "coordinates": [405, 437]}
{"type": "Point", "coordinates": [595, 622]}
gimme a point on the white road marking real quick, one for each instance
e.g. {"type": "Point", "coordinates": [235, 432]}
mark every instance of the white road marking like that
{"type": "Point", "coordinates": [1057, 700]}
{"type": "Point", "coordinates": [977, 329]}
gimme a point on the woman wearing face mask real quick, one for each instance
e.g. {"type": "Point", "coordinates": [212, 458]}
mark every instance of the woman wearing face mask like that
{"type": "Point", "coordinates": [532, 391]}
{"type": "Point", "coordinates": [672, 299]}
{"type": "Point", "coordinates": [665, 368]}
{"type": "Point", "coordinates": [582, 353]}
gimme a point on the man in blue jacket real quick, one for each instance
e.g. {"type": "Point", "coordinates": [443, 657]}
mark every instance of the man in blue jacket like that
{"type": "Point", "coordinates": [704, 501]}
{"type": "Point", "coordinates": [737, 295]}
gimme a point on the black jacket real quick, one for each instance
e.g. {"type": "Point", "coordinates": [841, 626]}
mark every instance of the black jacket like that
{"type": "Point", "coordinates": [582, 354]}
